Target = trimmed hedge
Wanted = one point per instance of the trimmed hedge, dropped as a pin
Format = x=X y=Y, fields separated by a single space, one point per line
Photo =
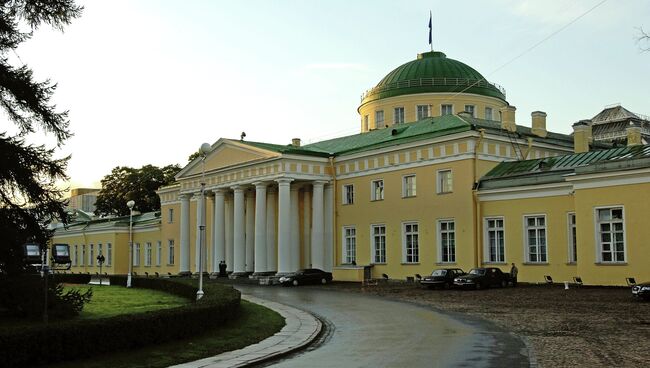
x=68 y=340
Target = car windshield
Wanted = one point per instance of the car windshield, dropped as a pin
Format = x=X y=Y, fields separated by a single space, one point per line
x=439 y=273
x=477 y=271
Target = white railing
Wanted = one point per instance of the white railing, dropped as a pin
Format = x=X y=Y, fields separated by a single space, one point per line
x=433 y=82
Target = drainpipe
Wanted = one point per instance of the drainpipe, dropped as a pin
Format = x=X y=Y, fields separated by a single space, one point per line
x=477 y=204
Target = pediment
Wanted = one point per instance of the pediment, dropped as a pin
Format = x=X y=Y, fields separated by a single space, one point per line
x=226 y=153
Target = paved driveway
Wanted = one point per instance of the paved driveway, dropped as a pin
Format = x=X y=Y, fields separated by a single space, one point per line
x=366 y=331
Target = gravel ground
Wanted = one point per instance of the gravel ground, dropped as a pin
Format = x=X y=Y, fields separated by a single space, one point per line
x=579 y=327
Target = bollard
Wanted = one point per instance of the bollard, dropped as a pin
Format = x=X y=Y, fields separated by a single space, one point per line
x=566 y=285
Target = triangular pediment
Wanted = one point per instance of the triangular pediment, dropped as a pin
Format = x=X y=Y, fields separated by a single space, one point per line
x=226 y=153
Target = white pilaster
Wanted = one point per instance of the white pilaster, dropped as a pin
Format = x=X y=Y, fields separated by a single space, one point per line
x=230 y=233
x=306 y=227
x=284 y=226
x=317 y=241
x=200 y=214
x=239 y=228
x=218 y=230
x=295 y=228
x=184 y=256
x=260 y=228
x=250 y=231
x=328 y=235
x=271 y=230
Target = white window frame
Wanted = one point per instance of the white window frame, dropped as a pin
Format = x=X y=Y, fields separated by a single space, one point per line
x=473 y=108
x=100 y=251
x=377 y=184
x=491 y=116
x=75 y=255
x=450 y=246
x=417 y=112
x=415 y=248
x=406 y=188
x=158 y=253
x=572 y=237
x=380 y=123
x=91 y=255
x=136 y=255
x=170 y=215
x=598 y=234
x=348 y=194
x=170 y=249
x=109 y=254
x=441 y=186
x=500 y=257
x=83 y=255
x=398 y=115
x=540 y=243
x=442 y=109
x=377 y=254
x=147 y=254
x=349 y=242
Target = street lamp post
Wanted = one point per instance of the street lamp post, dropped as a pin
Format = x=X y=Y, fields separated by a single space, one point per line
x=130 y=204
x=203 y=151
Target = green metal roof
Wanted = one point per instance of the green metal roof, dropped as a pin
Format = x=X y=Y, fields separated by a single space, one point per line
x=433 y=72
x=552 y=169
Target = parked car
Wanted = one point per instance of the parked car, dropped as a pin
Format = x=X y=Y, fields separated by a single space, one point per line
x=442 y=277
x=479 y=278
x=642 y=290
x=306 y=276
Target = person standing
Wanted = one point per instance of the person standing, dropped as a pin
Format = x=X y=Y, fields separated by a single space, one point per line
x=513 y=274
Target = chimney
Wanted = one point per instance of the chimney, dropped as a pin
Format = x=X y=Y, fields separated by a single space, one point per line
x=581 y=136
x=538 y=119
x=633 y=135
x=295 y=142
x=508 y=118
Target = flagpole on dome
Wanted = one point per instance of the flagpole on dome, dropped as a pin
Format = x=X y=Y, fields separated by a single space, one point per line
x=430 y=30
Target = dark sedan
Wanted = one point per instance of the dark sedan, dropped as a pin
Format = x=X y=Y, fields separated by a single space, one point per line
x=306 y=276
x=442 y=277
x=480 y=278
x=642 y=291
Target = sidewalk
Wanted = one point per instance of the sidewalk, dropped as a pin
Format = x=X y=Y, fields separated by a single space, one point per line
x=301 y=328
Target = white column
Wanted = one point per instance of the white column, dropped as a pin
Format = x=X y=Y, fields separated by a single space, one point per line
x=271 y=230
x=328 y=231
x=284 y=226
x=260 y=228
x=184 y=257
x=295 y=228
x=200 y=213
x=239 y=227
x=250 y=231
x=306 y=227
x=317 y=241
x=218 y=230
x=230 y=234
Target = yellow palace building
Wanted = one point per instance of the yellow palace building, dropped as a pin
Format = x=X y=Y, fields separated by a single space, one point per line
x=440 y=175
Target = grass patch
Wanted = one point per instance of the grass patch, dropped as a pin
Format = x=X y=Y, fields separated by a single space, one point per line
x=256 y=323
x=108 y=301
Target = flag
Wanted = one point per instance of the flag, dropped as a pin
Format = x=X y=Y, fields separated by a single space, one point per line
x=430 y=38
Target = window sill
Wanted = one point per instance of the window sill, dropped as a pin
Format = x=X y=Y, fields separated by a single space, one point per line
x=378 y=263
x=494 y=263
x=170 y=264
x=535 y=263
x=571 y=263
x=445 y=263
x=347 y=204
x=410 y=263
x=611 y=263
x=406 y=197
x=443 y=193
x=376 y=200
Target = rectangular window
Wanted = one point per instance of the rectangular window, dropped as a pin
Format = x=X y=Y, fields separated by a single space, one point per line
x=366 y=119
x=422 y=111
x=379 y=243
x=447 y=241
x=349 y=244
x=379 y=119
x=411 y=243
x=91 y=255
x=75 y=254
x=535 y=230
x=136 y=255
x=170 y=249
x=408 y=186
x=573 y=244
x=377 y=190
x=158 y=253
x=446 y=109
x=109 y=254
x=445 y=181
x=488 y=113
x=611 y=234
x=83 y=255
x=100 y=252
x=348 y=194
x=494 y=240
x=147 y=254
x=470 y=109
x=398 y=115
x=170 y=216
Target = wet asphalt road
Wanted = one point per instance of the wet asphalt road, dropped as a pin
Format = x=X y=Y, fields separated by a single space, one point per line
x=367 y=331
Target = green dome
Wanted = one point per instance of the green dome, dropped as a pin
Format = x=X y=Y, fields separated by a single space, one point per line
x=433 y=72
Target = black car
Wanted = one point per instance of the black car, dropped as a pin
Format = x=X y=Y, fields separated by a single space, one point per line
x=480 y=278
x=642 y=290
x=306 y=276
x=442 y=277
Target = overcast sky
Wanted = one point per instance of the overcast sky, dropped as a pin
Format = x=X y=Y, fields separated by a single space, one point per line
x=147 y=82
